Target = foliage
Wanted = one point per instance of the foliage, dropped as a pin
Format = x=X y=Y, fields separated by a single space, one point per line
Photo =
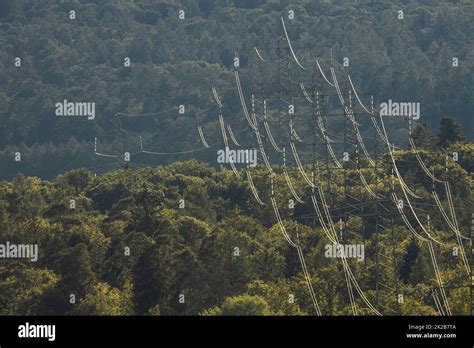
x=242 y=305
x=177 y=61
x=129 y=248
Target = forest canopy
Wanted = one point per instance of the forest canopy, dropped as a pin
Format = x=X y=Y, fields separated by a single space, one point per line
x=186 y=239
x=175 y=62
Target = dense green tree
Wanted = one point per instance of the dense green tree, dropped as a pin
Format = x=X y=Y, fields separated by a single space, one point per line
x=105 y=300
x=22 y=288
x=449 y=132
x=422 y=138
x=241 y=305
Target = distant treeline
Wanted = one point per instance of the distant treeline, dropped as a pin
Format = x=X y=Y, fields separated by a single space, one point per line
x=175 y=62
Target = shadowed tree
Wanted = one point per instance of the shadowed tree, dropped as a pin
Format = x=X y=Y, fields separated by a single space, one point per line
x=449 y=132
x=422 y=138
